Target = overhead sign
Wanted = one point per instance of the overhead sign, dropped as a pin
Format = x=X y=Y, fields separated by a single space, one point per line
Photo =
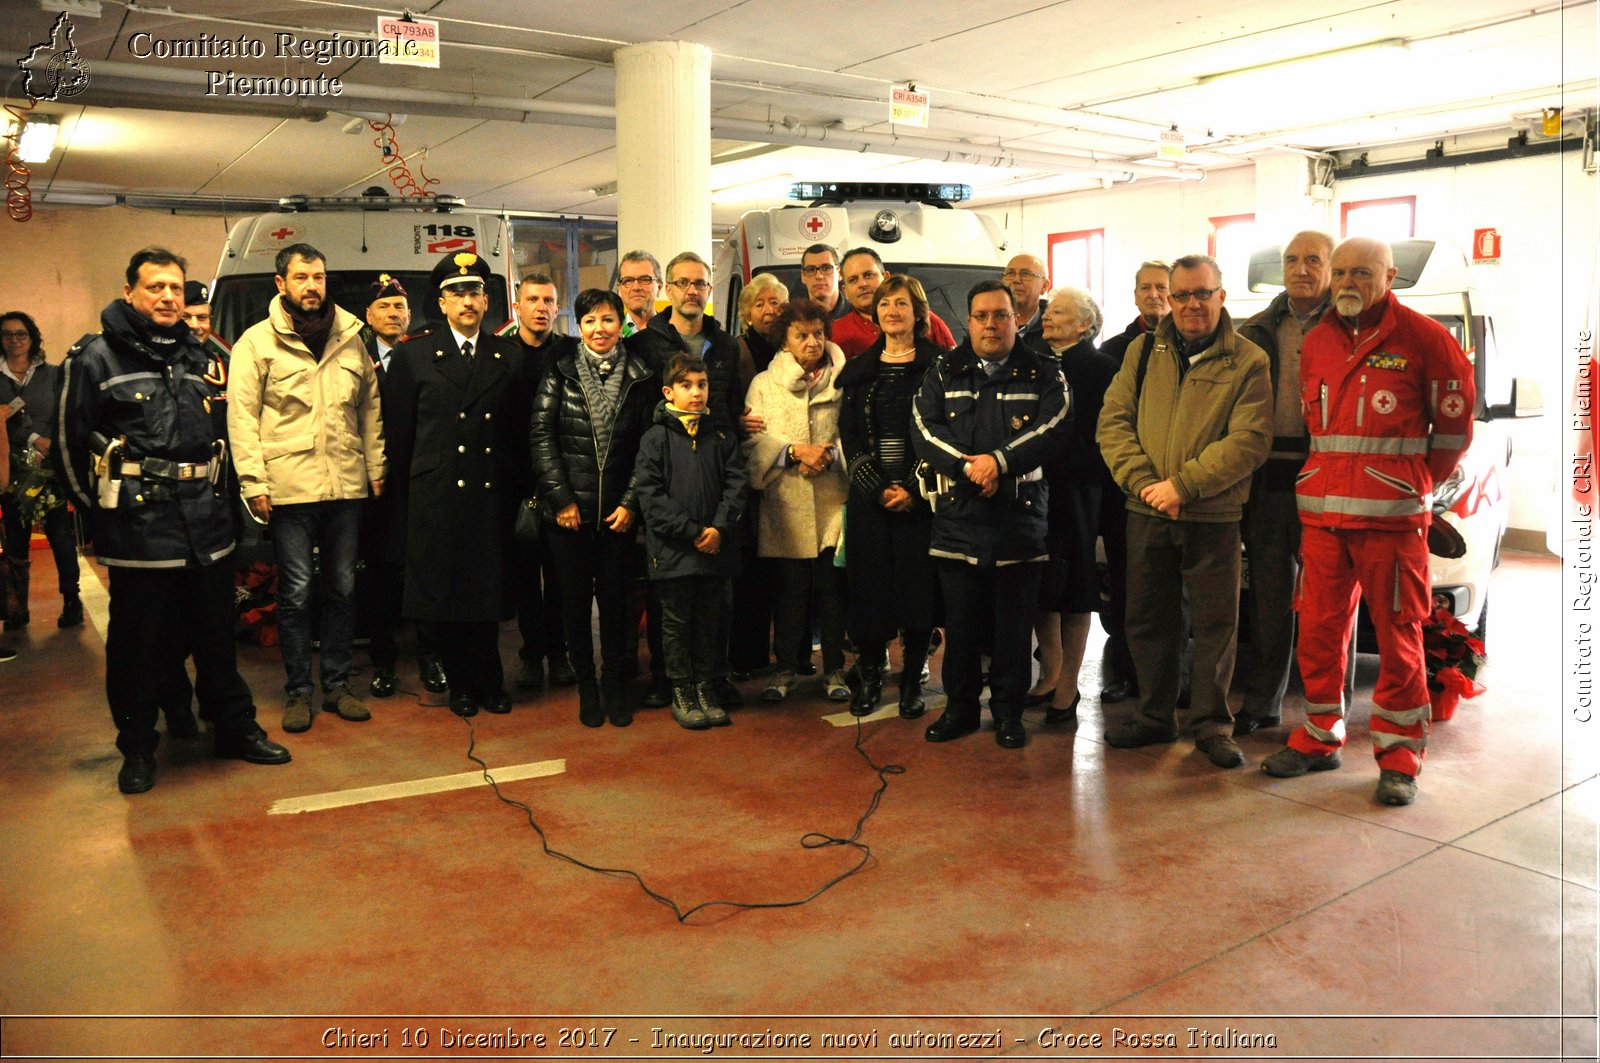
x=1485 y=245
x=1171 y=145
x=410 y=42
x=907 y=106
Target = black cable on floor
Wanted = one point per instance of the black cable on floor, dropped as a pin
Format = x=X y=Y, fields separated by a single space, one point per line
x=809 y=840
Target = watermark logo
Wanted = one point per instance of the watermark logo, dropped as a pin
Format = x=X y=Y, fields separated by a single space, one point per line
x=53 y=70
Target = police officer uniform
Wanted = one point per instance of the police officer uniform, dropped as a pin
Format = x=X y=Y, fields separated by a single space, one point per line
x=137 y=403
x=457 y=422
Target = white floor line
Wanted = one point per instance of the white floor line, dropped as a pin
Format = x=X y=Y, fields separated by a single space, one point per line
x=96 y=600
x=415 y=788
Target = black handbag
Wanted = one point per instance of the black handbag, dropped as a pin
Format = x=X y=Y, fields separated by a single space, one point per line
x=527 y=524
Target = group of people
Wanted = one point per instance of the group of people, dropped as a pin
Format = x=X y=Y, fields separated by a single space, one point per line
x=839 y=466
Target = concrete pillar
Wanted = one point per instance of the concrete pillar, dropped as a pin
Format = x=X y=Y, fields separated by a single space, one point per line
x=664 y=148
x=1287 y=199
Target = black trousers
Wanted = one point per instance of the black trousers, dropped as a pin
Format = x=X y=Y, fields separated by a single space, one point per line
x=799 y=586
x=597 y=567
x=691 y=620
x=470 y=653
x=538 y=597
x=1114 y=612
x=380 y=590
x=157 y=613
x=980 y=601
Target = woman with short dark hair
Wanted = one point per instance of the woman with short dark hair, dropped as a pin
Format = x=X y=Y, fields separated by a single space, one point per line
x=591 y=411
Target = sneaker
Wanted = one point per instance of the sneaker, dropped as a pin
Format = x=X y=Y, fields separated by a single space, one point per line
x=342 y=700
x=1221 y=750
x=836 y=686
x=686 y=709
x=778 y=687
x=1290 y=763
x=1396 y=788
x=297 y=712
x=1135 y=733
x=711 y=705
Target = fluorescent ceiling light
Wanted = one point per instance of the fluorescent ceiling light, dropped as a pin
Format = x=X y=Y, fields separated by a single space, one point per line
x=1303 y=62
x=38 y=140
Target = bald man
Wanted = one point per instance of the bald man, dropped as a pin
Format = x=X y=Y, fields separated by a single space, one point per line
x=1388 y=397
x=1027 y=278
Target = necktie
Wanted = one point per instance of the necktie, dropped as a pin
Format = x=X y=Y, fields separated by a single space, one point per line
x=992 y=369
x=466 y=349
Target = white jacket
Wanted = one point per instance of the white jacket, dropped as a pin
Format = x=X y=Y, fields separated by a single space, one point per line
x=800 y=518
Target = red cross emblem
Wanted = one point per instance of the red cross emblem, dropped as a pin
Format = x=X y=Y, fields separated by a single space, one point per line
x=815 y=224
x=282 y=234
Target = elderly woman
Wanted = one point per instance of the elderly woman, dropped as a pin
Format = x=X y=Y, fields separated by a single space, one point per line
x=1071 y=588
x=591 y=411
x=893 y=585
x=25 y=375
x=794 y=459
x=750 y=643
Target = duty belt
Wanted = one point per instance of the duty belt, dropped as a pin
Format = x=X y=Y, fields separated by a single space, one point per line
x=185 y=470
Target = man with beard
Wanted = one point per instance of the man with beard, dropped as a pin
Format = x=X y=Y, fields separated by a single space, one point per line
x=306 y=427
x=142 y=457
x=1388 y=397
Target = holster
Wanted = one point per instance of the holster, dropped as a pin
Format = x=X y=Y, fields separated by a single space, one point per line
x=107 y=460
x=158 y=479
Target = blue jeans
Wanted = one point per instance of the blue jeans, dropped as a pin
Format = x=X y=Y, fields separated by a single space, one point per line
x=333 y=528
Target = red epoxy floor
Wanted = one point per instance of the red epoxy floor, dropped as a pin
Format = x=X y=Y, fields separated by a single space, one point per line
x=1065 y=888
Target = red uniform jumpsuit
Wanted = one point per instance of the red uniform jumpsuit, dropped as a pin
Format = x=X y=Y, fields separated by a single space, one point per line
x=1389 y=405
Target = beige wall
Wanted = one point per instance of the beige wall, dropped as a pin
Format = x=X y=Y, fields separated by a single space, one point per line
x=66 y=265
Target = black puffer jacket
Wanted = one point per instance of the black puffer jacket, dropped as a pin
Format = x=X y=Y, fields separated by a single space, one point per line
x=565 y=461
x=658 y=341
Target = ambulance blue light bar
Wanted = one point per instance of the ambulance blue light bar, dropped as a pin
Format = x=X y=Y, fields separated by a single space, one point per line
x=893 y=191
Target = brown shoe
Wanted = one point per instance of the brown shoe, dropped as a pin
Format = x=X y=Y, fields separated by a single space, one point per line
x=342 y=700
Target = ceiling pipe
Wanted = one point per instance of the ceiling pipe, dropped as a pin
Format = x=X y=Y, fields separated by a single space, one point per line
x=113 y=80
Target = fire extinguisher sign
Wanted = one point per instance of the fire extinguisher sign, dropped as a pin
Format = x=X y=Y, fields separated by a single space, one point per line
x=1485 y=246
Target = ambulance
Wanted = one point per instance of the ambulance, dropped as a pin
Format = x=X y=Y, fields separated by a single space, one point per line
x=1432 y=278
x=915 y=228
x=361 y=236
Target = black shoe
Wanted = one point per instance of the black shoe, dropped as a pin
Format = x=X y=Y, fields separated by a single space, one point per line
x=383 y=683
x=138 y=773
x=1117 y=690
x=864 y=701
x=949 y=727
x=530 y=675
x=1033 y=701
x=1249 y=723
x=1054 y=717
x=659 y=695
x=615 y=702
x=433 y=678
x=741 y=675
x=254 y=747
x=71 y=612
x=590 y=714
x=180 y=723
x=500 y=704
x=727 y=694
x=1221 y=750
x=1009 y=733
x=561 y=673
x=911 y=704
x=1132 y=734
x=806 y=669
x=463 y=706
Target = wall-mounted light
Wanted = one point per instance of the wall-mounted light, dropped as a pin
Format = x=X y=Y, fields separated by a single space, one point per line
x=38 y=139
x=1301 y=64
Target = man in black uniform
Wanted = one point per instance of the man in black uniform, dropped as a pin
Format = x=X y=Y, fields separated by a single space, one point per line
x=457 y=406
x=985 y=417
x=380 y=586
x=143 y=458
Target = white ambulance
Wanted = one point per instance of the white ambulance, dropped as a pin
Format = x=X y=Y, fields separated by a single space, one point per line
x=1432 y=277
x=361 y=236
x=915 y=228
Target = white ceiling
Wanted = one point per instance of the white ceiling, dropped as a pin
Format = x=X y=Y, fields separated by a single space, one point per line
x=1028 y=96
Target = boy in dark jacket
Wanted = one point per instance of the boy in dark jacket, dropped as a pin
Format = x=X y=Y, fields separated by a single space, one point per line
x=690 y=483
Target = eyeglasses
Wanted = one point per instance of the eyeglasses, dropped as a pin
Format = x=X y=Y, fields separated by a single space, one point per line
x=816 y=271
x=1202 y=294
x=999 y=317
x=636 y=282
x=690 y=286
x=1020 y=275
x=9 y=334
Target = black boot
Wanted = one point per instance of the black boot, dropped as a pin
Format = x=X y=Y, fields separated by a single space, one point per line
x=916 y=656
x=590 y=714
x=71 y=612
x=617 y=709
x=865 y=701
